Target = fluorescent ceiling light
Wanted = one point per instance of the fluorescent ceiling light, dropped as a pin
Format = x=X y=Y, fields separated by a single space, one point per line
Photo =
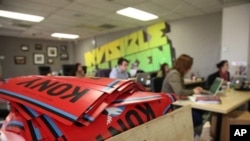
x=20 y=16
x=137 y=14
x=64 y=35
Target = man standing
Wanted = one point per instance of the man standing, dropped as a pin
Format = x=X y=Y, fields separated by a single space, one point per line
x=120 y=72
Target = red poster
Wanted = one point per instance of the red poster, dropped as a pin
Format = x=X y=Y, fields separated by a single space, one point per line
x=75 y=109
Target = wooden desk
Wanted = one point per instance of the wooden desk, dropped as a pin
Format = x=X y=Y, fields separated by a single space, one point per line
x=229 y=102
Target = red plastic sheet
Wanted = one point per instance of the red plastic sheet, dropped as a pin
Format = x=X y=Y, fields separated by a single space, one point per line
x=48 y=108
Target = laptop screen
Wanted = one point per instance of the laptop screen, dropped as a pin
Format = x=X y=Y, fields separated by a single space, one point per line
x=143 y=78
x=216 y=85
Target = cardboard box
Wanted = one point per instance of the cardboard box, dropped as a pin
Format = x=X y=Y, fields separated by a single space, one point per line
x=233 y=118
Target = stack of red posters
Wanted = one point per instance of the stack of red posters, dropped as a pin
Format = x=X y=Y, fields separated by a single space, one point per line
x=45 y=108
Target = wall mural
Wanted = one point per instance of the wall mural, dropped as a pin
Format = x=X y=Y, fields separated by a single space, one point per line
x=149 y=47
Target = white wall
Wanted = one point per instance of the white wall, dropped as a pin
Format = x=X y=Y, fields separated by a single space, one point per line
x=200 y=37
x=235 y=33
x=248 y=68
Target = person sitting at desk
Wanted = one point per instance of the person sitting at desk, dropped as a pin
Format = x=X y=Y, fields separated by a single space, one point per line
x=120 y=72
x=77 y=70
x=163 y=70
x=223 y=73
x=174 y=83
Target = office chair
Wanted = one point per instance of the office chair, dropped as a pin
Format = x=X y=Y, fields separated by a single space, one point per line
x=103 y=73
x=156 y=84
x=67 y=69
x=84 y=68
x=44 y=70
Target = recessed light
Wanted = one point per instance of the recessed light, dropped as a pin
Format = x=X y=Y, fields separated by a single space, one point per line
x=20 y=16
x=65 y=35
x=137 y=14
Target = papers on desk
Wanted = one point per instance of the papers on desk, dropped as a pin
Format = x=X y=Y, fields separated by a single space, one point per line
x=205 y=99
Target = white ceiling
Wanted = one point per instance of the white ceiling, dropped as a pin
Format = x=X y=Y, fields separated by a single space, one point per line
x=83 y=17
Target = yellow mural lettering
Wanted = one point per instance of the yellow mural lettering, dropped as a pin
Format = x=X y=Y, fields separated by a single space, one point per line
x=89 y=58
x=156 y=35
x=100 y=54
x=113 y=50
x=148 y=47
x=132 y=46
x=142 y=40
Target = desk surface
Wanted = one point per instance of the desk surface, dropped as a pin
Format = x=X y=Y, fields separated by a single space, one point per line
x=229 y=102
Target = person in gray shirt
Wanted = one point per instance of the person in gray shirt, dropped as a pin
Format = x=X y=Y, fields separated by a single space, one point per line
x=174 y=83
x=174 y=80
x=120 y=72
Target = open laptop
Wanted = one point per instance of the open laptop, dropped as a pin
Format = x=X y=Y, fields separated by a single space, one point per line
x=143 y=79
x=215 y=87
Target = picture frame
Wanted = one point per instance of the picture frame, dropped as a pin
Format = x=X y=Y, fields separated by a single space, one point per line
x=64 y=56
x=24 y=47
x=39 y=58
x=63 y=48
x=50 y=61
x=20 y=60
x=52 y=51
x=38 y=47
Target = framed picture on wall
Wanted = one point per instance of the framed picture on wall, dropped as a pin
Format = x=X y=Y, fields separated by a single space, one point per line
x=63 y=48
x=38 y=47
x=20 y=60
x=24 y=48
x=52 y=51
x=50 y=61
x=64 y=56
x=39 y=58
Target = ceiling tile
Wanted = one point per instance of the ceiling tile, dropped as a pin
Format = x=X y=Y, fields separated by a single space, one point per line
x=169 y=4
x=55 y=27
x=124 y=19
x=26 y=11
x=130 y=3
x=75 y=16
x=212 y=9
x=172 y=16
x=29 y=5
x=152 y=8
x=87 y=9
x=191 y=13
x=204 y=3
x=55 y=3
x=102 y=4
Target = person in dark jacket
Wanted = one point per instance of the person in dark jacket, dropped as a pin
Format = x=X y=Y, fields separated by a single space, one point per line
x=222 y=72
